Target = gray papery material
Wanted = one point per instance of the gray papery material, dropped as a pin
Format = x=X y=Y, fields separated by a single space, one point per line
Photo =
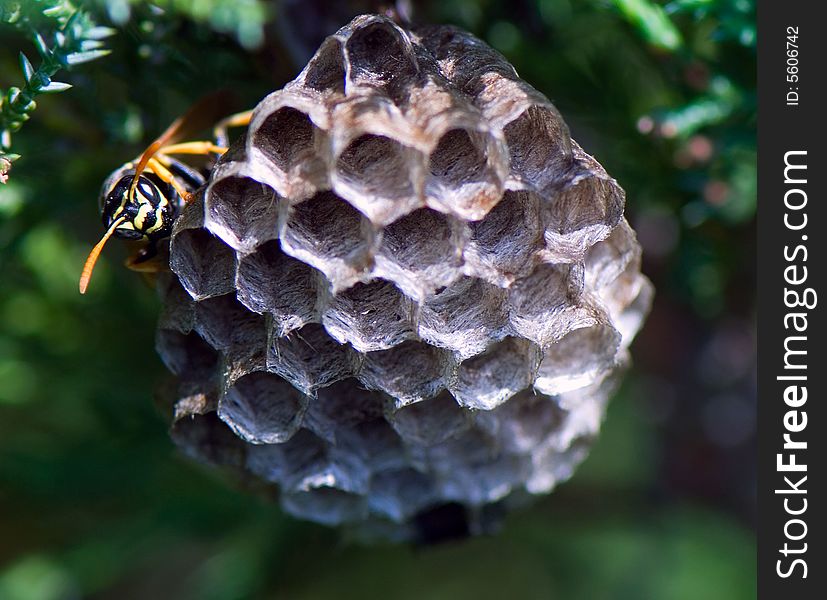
x=407 y=285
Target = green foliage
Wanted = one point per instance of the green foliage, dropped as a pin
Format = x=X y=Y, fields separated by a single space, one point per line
x=245 y=19
x=652 y=22
x=76 y=39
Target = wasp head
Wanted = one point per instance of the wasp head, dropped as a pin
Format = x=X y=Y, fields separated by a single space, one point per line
x=139 y=208
x=146 y=210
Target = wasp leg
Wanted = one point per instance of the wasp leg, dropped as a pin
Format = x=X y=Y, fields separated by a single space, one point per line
x=142 y=255
x=241 y=119
x=148 y=266
x=149 y=259
x=193 y=148
x=155 y=166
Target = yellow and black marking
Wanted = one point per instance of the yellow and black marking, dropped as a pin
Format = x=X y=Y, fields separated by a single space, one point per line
x=141 y=200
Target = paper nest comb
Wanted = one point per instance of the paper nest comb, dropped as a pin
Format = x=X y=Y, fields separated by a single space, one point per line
x=407 y=287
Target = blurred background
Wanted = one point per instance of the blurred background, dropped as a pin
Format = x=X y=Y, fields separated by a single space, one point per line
x=95 y=502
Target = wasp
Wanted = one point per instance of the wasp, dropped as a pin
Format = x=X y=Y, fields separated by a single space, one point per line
x=141 y=199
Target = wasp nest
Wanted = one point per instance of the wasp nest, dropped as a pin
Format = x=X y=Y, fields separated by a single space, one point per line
x=406 y=288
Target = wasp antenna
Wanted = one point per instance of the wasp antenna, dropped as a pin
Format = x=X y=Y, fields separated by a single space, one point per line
x=89 y=265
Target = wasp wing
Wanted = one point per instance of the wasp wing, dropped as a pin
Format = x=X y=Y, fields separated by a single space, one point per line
x=201 y=116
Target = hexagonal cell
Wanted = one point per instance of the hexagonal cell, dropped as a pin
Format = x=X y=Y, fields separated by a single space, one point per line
x=241 y=211
x=376 y=444
x=607 y=259
x=419 y=253
x=271 y=281
x=628 y=315
x=342 y=405
x=224 y=322
x=262 y=408
x=580 y=214
x=623 y=290
x=370 y=316
x=204 y=264
x=286 y=137
x=465 y=317
x=309 y=358
x=486 y=481
x=409 y=372
x=242 y=359
x=310 y=463
x=378 y=53
x=430 y=421
x=400 y=494
x=462 y=177
x=543 y=307
x=307 y=462
x=186 y=355
x=325 y=73
x=540 y=146
x=462 y=58
x=577 y=359
x=431 y=104
x=208 y=439
x=267 y=461
x=374 y=173
x=287 y=145
x=523 y=422
x=465 y=465
x=504 y=245
x=487 y=380
x=469 y=445
x=329 y=234
x=325 y=505
x=177 y=308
